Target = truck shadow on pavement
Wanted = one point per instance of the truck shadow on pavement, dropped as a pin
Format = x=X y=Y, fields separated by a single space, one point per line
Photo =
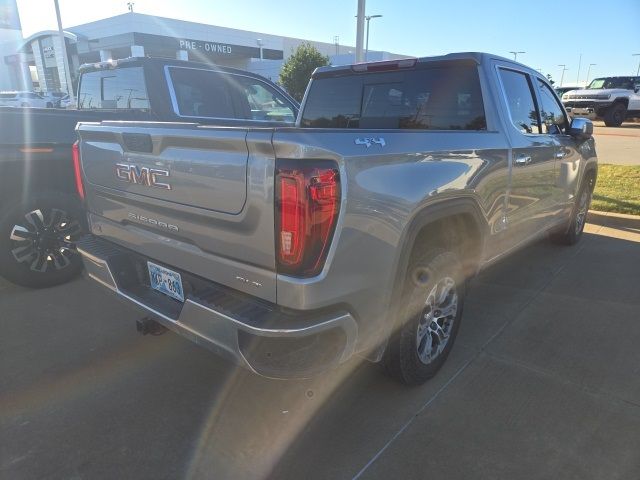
x=543 y=379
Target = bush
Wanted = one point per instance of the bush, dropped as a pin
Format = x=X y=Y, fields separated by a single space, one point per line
x=296 y=71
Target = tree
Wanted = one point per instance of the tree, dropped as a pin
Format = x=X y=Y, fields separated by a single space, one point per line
x=551 y=82
x=296 y=71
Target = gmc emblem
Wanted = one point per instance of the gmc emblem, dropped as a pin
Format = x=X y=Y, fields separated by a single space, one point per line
x=142 y=175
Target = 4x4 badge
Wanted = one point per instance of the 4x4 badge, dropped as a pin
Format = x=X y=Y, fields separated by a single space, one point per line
x=368 y=141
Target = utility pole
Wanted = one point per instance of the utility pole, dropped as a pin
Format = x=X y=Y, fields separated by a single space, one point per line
x=637 y=55
x=515 y=55
x=67 y=72
x=368 y=19
x=589 y=71
x=360 y=31
x=564 y=69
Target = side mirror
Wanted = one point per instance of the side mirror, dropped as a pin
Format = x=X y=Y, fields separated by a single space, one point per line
x=581 y=128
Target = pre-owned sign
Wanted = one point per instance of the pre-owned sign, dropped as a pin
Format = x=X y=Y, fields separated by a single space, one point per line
x=159 y=45
x=206 y=46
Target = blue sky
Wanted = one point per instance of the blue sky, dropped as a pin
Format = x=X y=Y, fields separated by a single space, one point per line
x=606 y=33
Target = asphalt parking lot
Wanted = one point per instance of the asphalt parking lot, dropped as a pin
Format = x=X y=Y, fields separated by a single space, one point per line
x=618 y=145
x=544 y=382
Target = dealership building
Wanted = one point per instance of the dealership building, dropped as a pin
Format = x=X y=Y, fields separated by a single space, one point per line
x=39 y=60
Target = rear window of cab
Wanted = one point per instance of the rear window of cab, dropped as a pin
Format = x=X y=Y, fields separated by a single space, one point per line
x=436 y=98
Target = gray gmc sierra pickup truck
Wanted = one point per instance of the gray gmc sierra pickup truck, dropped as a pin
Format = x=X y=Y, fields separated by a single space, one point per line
x=291 y=249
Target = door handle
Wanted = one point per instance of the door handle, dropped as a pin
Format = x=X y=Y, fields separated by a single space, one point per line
x=522 y=160
x=560 y=155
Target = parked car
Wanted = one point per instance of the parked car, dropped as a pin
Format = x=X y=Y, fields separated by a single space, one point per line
x=615 y=99
x=66 y=102
x=53 y=98
x=22 y=99
x=40 y=218
x=289 y=250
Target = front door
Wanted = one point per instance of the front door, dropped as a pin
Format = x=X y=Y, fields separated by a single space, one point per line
x=531 y=199
x=555 y=124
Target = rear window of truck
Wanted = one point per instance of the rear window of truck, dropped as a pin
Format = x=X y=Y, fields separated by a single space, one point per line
x=436 y=98
x=117 y=89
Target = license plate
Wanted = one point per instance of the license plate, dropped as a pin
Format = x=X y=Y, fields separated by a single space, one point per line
x=166 y=281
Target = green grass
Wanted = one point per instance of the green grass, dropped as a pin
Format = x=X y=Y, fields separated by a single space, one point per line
x=617 y=189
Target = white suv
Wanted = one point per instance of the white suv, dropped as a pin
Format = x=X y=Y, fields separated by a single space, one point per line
x=614 y=99
x=22 y=99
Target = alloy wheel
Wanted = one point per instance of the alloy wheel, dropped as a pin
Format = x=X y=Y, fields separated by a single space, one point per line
x=45 y=240
x=581 y=214
x=436 y=320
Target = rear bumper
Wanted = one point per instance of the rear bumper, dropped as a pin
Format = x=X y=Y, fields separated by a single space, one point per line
x=268 y=340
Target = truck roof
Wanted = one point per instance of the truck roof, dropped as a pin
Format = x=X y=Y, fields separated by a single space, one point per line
x=129 y=61
x=464 y=57
x=628 y=77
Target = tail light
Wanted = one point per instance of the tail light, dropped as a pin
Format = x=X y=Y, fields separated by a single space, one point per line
x=307 y=205
x=75 y=154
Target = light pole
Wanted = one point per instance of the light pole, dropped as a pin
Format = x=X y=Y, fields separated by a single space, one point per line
x=578 y=75
x=368 y=19
x=637 y=55
x=564 y=69
x=515 y=55
x=360 y=31
x=589 y=71
x=63 y=44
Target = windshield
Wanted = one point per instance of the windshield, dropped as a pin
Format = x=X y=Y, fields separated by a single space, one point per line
x=626 y=83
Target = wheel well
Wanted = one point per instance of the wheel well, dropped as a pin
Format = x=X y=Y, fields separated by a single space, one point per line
x=590 y=177
x=459 y=233
x=623 y=101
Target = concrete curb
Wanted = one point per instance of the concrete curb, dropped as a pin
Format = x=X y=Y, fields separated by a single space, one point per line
x=614 y=220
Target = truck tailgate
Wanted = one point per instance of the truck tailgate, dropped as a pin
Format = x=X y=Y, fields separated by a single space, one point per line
x=193 y=197
x=195 y=167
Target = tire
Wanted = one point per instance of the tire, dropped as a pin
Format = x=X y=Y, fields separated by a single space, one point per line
x=615 y=115
x=37 y=240
x=578 y=216
x=424 y=335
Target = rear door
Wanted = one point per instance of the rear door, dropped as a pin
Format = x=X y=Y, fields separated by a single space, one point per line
x=531 y=198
